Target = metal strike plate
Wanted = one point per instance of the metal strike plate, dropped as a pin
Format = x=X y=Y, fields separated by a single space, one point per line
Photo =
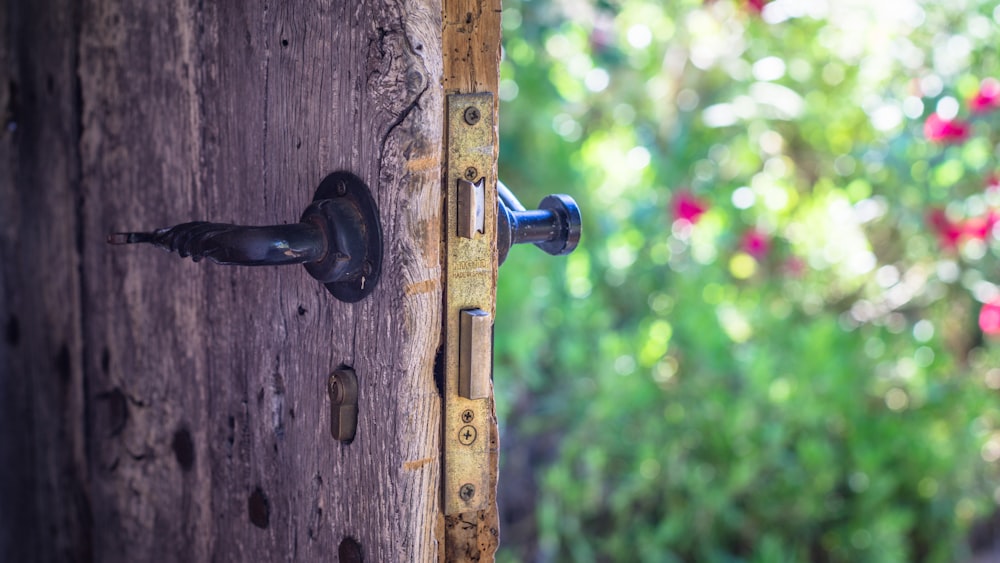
x=470 y=285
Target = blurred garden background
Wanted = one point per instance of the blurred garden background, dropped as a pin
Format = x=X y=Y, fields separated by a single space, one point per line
x=779 y=339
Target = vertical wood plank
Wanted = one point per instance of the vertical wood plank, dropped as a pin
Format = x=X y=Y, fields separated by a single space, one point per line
x=193 y=424
x=44 y=506
x=471 y=54
x=209 y=408
x=150 y=341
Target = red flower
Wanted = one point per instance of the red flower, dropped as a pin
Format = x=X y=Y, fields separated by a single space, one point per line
x=756 y=6
x=688 y=207
x=940 y=130
x=756 y=243
x=987 y=98
x=993 y=183
x=949 y=232
x=989 y=317
x=980 y=227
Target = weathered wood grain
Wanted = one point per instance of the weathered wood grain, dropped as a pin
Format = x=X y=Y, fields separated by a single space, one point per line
x=209 y=411
x=164 y=410
x=44 y=508
x=471 y=55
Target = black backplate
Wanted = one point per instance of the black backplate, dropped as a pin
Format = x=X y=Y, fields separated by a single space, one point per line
x=346 y=188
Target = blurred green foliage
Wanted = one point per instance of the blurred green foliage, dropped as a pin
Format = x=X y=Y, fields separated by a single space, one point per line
x=686 y=395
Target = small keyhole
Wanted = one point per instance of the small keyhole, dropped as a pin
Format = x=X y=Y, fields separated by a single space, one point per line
x=336 y=391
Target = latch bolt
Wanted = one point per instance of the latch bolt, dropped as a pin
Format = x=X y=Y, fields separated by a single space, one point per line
x=475 y=359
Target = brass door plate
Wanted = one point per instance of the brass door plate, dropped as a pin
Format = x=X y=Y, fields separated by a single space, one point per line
x=470 y=293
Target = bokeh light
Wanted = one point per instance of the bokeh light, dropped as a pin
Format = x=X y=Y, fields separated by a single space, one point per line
x=778 y=339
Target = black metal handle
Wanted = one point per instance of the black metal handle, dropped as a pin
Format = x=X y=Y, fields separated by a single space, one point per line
x=235 y=244
x=338 y=239
x=554 y=227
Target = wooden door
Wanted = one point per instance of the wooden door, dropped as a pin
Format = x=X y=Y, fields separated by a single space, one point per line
x=155 y=409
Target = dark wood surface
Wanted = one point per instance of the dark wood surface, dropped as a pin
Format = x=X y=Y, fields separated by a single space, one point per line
x=45 y=506
x=158 y=409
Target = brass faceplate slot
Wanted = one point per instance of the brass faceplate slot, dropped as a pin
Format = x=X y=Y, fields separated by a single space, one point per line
x=471 y=207
x=475 y=361
x=470 y=294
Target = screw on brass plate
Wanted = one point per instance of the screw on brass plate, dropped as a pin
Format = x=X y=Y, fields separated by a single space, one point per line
x=471 y=173
x=467 y=492
x=472 y=115
x=467 y=435
x=343 y=389
x=468 y=416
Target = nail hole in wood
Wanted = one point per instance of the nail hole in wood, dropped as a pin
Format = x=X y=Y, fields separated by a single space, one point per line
x=63 y=368
x=12 y=332
x=259 y=509
x=231 y=435
x=349 y=551
x=183 y=447
x=117 y=413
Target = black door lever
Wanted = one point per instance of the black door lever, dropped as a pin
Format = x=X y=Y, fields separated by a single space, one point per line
x=554 y=227
x=338 y=239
